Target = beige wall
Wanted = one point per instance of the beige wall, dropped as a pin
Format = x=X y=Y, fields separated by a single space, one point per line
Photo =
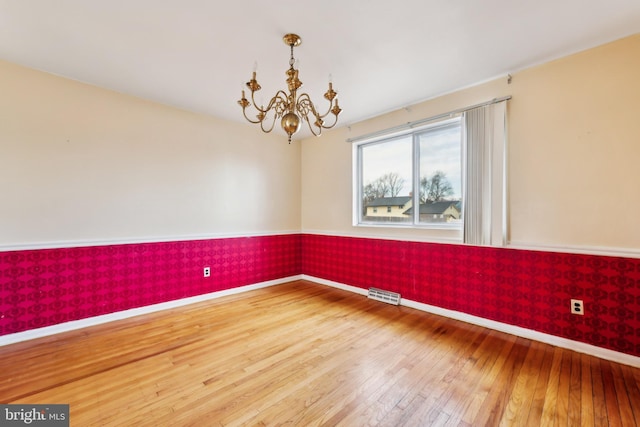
x=79 y=163
x=574 y=148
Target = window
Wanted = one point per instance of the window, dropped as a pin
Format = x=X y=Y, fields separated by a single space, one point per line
x=423 y=168
x=385 y=183
x=452 y=168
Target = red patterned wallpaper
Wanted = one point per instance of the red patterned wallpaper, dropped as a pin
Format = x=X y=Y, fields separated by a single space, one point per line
x=531 y=289
x=50 y=286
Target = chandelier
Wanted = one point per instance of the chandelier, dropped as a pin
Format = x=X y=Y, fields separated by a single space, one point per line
x=290 y=108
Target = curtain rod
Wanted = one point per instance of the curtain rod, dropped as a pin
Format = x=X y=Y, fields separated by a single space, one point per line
x=415 y=123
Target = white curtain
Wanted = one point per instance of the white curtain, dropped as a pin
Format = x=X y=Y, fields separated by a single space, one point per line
x=484 y=196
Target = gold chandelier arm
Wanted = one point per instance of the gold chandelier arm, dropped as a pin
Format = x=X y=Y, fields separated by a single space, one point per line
x=280 y=95
x=305 y=106
x=244 y=113
x=311 y=126
x=278 y=103
x=319 y=128
x=273 y=123
x=305 y=100
x=335 y=121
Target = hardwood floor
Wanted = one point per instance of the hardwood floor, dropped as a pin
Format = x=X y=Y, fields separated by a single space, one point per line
x=303 y=354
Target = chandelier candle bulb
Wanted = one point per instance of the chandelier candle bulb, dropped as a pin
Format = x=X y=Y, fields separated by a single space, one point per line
x=291 y=108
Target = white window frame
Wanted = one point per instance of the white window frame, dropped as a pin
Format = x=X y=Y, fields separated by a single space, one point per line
x=493 y=212
x=358 y=184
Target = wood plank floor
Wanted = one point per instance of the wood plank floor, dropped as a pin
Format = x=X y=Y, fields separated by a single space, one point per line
x=303 y=354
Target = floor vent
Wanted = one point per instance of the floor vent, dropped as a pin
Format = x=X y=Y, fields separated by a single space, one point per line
x=384 y=296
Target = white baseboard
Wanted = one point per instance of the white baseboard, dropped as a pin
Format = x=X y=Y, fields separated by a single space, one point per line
x=603 y=353
x=333 y=284
x=125 y=314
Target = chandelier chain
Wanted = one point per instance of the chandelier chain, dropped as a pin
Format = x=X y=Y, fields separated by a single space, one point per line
x=292 y=60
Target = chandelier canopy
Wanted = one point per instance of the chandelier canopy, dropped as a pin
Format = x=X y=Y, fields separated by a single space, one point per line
x=290 y=108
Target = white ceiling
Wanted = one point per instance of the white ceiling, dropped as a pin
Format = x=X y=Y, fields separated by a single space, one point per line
x=383 y=55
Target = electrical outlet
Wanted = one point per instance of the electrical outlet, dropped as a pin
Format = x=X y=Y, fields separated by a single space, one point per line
x=577 y=307
x=207 y=271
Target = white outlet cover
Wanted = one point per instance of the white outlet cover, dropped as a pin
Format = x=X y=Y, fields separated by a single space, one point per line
x=577 y=307
x=207 y=271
